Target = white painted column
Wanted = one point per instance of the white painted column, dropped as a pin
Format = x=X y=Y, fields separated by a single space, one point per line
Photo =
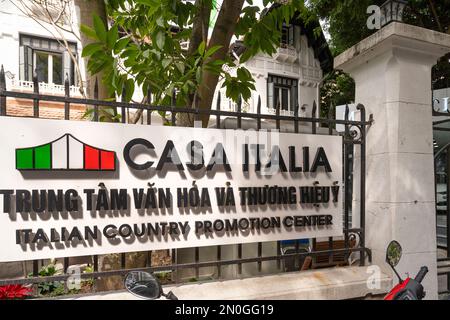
x=392 y=70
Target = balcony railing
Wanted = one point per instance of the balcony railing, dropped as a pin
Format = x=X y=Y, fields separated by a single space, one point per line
x=282 y=112
x=44 y=88
x=286 y=53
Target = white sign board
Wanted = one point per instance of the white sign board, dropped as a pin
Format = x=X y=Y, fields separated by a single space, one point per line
x=81 y=188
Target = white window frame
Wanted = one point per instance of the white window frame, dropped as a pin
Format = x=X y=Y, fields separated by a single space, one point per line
x=280 y=97
x=49 y=64
x=278 y=83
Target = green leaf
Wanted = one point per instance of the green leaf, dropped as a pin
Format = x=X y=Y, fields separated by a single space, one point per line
x=129 y=90
x=100 y=29
x=180 y=66
x=198 y=75
x=96 y=66
x=112 y=36
x=166 y=62
x=246 y=56
x=109 y=111
x=160 y=39
x=212 y=50
x=147 y=2
x=91 y=48
x=121 y=44
x=160 y=21
x=201 y=48
x=88 y=31
x=219 y=62
x=243 y=74
x=89 y=113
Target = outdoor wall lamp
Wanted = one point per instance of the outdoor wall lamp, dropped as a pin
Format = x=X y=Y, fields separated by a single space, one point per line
x=392 y=10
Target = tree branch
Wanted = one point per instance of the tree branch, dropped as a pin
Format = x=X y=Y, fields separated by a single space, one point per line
x=435 y=15
x=199 y=31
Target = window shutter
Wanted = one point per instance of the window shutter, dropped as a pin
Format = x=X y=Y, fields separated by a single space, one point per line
x=270 y=95
x=25 y=63
x=75 y=75
x=67 y=67
x=291 y=35
x=22 y=63
x=29 y=63
x=294 y=97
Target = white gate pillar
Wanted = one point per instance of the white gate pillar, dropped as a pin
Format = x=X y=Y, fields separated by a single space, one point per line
x=392 y=71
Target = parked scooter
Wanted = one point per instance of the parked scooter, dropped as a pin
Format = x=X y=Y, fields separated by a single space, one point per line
x=145 y=286
x=408 y=289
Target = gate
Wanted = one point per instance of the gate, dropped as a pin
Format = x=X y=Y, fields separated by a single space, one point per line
x=442 y=188
x=331 y=252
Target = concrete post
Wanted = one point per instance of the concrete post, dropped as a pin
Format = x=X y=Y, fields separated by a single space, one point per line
x=392 y=70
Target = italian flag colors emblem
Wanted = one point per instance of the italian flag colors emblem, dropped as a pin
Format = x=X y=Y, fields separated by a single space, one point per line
x=65 y=153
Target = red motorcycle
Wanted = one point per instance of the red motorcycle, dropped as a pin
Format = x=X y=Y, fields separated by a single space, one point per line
x=408 y=289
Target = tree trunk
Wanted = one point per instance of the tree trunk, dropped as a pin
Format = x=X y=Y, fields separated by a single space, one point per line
x=435 y=15
x=200 y=30
x=86 y=10
x=222 y=34
x=200 y=25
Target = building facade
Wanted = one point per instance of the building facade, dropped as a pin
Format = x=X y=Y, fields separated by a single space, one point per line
x=292 y=76
x=32 y=47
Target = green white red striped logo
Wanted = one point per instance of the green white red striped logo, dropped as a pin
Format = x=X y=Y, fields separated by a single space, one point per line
x=65 y=153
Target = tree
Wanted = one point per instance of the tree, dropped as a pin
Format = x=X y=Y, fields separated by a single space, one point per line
x=338 y=89
x=163 y=46
x=434 y=15
x=346 y=22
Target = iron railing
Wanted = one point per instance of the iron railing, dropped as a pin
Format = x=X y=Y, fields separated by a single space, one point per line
x=355 y=135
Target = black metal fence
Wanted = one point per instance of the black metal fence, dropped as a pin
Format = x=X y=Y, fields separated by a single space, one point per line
x=324 y=253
